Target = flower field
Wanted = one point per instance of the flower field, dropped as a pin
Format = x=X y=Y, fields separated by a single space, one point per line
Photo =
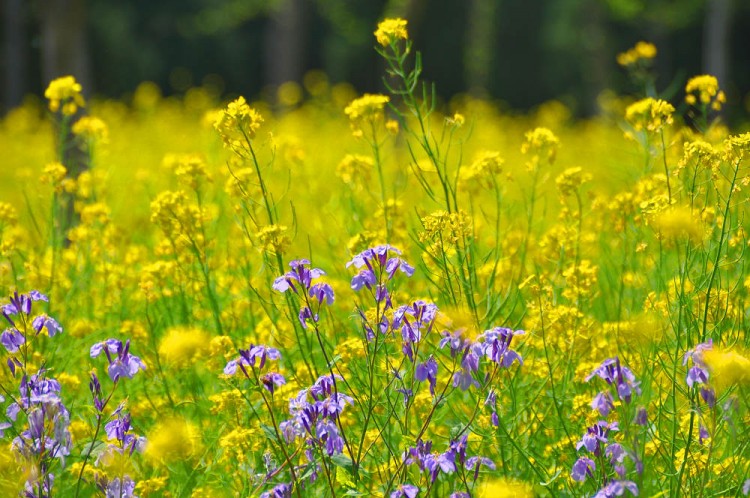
x=333 y=294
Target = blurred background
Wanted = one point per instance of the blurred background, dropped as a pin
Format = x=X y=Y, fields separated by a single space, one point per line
x=519 y=53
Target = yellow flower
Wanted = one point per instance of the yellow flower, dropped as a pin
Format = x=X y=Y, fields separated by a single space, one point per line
x=91 y=128
x=726 y=368
x=391 y=30
x=704 y=89
x=643 y=51
x=355 y=169
x=173 y=439
x=64 y=91
x=274 y=238
x=150 y=486
x=504 y=488
x=570 y=179
x=366 y=109
x=238 y=123
x=541 y=144
x=649 y=114
x=677 y=222
x=182 y=345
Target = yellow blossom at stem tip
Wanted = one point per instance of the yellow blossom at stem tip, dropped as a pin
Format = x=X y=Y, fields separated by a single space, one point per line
x=391 y=30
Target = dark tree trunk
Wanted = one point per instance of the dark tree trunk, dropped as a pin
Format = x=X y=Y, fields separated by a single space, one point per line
x=716 y=29
x=285 y=36
x=63 y=41
x=14 y=51
x=479 y=46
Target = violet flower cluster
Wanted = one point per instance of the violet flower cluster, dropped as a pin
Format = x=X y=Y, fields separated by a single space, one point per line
x=121 y=362
x=698 y=374
x=299 y=280
x=46 y=438
x=257 y=354
x=315 y=412
x=18 y=315
x=451 y=460
x=598 y=441
x=122 y=442
x=376 y=268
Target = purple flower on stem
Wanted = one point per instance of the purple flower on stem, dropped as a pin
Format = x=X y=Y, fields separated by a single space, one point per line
x=428 y=371
x=617 y=488
x=299 y=273
x=746 y=488
x=583 y=468
x=272 y=380
x=282 y=490
x=596 y=435
x=496 y=344
x=376 y=262
x=405 y=491
x=121 y=362
x=603 y=403
x=613 y=373
x=12 y=339
x=322 y=292
x=43 y=321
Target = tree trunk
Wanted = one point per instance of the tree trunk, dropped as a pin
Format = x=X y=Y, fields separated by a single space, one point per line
x=285 y=42
x=480 y=44
x=63 y=41
x=15 y=55
x=716 y=39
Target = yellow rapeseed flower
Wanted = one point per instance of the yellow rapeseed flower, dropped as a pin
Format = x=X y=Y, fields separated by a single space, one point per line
x=65 y=92
x=726 y=368
x=391 y=30
x=368 y=108
x=649 y=114
x=172 y=440
x=643 y=51
x=274 y=239
x=147 y=487
x=704 y=89
x=677 y=222
x=355 y=170
x=504 y=488
x=540 y=144
x=91 y=128
x=238 y=123
x=181 y=346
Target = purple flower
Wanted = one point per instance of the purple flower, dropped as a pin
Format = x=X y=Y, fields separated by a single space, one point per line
x=428 y=371
x=596 y=435
x=322 y=292
x=454 y=341
x=328 y=434
x=376 y=262
x=746 y=488
x=613 y=373
x=617 y=488
x=120 y=489
x=121 y=362
x=478 y=461
x=299 y=273
x=463 y=379
x=641 y=417
x=583 y=468
x=496 y=346
x=43 y=321
x=696 y=375
x=272 y=380
x=12 y=339
x=282 y=490
x=603 y=403
x=405 y=491
x=248 y=358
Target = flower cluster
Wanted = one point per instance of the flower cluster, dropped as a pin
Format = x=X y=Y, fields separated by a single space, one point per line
x=315 y=412
x=257 y=354
x=121 y=362
x=649 y=114
x=433 y=463
x=704 y=90
x=640 y=53
x=64 y=92
x=238 y=123
x=598 y=440
x=391 y=30
x=308 y=292
x=18 y=315
x=376 y=268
